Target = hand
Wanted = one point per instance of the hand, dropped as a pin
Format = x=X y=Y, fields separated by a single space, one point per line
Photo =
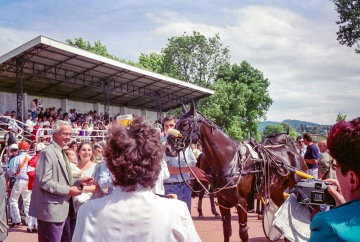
x=74 y=191
x=199 y=173
x=336 y=194
x=172 y=196
x=87 y=181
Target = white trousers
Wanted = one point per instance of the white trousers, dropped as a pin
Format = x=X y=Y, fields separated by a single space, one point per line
x=20 y=188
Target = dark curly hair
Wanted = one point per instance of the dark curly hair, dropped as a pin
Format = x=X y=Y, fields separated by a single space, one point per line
x=344 y=145
x=133 y=154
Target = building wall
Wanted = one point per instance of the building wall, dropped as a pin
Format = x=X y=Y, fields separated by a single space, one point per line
x=8 y=103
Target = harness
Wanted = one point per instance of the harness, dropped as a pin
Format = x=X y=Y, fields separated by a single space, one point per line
x=250 y=158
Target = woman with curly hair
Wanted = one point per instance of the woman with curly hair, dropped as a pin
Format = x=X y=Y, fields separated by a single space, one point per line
x=132 y=212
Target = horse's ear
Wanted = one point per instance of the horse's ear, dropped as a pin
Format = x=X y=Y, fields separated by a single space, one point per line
x=192 y=108
x=183 y=108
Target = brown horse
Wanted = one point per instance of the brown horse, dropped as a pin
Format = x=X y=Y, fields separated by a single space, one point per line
x=203 y=164
x=235 y=167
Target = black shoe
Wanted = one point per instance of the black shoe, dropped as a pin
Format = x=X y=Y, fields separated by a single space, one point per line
x=14 y=225
x=34 y=230
x=29 y=230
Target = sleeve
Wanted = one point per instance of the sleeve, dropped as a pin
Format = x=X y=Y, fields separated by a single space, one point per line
x=44 y=170
x=105 y=180
x=14 y=166
x=321 y=229
x=190 y=157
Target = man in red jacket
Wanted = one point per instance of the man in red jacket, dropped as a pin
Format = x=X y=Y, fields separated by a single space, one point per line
x=32 y=225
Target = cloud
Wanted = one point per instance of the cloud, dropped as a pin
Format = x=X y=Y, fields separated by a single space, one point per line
x=293 y=43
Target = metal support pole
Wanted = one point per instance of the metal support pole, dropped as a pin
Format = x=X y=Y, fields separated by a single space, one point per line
x=158 y=102
x=19 y=91
x=107 y=92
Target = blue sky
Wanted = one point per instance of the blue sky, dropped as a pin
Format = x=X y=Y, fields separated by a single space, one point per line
x=293 y=43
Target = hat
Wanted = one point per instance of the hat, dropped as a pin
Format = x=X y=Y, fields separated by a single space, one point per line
x=23 y=145
x=46 y=123
x=9 y=127
x=14 y=147
x=40 y=146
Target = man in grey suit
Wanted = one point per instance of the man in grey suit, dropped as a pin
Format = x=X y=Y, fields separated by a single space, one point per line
x=51 y=198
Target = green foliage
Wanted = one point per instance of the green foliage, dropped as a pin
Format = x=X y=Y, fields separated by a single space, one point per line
x=349 y=23
x=193 y=58
x=241 y=99
x=340 y=117
x=97 y=48
x=280 y=128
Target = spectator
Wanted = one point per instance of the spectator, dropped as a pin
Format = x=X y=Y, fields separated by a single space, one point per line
x=87 y=165
x=300 y=145
x=33 y=108
x=19 y=170
x=325 y=162
x=175 y=183
x=311 y=155
x=133 y=156
x=32 y=225
x=342 y=223
x=10 y=137
x=54 y=189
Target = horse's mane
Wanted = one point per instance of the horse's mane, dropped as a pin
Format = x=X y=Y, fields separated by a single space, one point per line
x=208 y=120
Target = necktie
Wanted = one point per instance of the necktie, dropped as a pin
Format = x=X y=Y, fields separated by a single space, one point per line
x=67 y=167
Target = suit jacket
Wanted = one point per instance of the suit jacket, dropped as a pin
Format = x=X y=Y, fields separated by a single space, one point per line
x=50 y=197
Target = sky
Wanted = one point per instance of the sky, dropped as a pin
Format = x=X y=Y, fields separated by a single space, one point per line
x=294 y=43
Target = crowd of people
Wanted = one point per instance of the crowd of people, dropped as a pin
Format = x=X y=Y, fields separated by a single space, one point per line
x=67 y=188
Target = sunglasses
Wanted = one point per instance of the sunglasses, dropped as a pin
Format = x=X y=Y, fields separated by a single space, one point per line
x=301 y=142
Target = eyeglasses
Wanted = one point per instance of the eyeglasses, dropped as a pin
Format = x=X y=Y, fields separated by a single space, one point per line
x=65 y=134
x=300 y=141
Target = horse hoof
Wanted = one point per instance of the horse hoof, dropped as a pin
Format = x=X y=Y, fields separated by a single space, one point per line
x=260 y=217
x=201 y=216
x=216 y=214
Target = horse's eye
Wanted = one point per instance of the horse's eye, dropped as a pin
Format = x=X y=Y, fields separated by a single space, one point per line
x=185 y=126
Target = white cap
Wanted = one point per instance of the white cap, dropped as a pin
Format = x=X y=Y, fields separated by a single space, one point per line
x=14 y=147
x=40 y=146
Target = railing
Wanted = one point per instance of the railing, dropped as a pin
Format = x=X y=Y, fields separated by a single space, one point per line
x=77 y=134
x=43 y=134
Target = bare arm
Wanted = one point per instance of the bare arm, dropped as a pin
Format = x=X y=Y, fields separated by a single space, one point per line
x=311 y=161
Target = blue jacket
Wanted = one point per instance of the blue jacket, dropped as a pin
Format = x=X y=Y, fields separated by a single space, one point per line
x=339 y=224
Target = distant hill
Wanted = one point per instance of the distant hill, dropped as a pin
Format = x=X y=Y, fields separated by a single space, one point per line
x=293 y=123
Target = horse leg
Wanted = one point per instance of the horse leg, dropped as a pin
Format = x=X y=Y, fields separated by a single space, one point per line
x=242 y=218
x=259 y=208
x=212 y=203
x=226 y=218
x=199 y=208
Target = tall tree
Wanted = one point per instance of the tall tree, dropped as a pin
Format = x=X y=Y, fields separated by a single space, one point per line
x=96 y=48
x=240 y=101
x=194 y=59
x=349 y=23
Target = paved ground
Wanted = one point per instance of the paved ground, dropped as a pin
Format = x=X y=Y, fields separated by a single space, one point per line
x=209 y=229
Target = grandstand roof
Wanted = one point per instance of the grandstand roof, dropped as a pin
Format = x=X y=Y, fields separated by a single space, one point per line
x=50 y=68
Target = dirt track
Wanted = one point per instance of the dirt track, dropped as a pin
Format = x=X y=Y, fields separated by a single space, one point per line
x=209 y=229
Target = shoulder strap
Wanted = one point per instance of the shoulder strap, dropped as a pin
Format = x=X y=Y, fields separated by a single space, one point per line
x=26 y=159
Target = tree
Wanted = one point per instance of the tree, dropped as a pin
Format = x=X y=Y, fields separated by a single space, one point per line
x=340 y=117
x=240 y=101
x=349 y=23
x=97 y=48
x=194 y=59
x=280 y=128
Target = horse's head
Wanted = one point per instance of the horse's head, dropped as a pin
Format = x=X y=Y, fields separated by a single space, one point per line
x=189 y=127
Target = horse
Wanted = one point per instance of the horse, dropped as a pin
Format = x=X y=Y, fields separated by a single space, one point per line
x=204 y=165
x=234 y=167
